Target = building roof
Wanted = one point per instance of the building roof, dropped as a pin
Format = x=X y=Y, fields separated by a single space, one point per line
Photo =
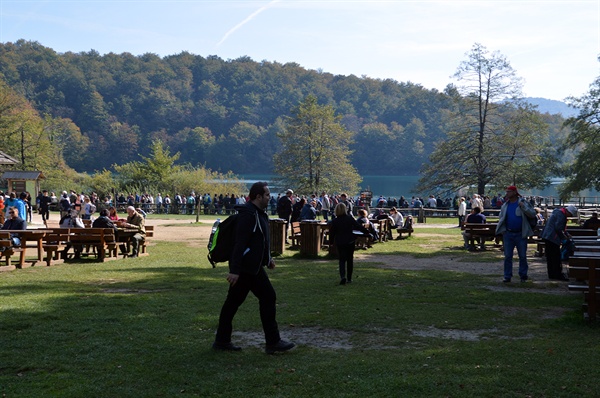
x=22 y=175
x=5 y=159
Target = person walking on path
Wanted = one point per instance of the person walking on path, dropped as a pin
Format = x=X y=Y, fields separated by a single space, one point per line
x=515 y=230
x=341 y=232
x=251 y=253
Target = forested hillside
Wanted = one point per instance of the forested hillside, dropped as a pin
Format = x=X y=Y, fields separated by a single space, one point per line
x=224 y=114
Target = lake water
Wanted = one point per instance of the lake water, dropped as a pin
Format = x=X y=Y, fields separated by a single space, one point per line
x=396 y=186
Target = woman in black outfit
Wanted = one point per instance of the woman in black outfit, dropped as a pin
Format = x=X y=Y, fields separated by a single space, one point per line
x=341 y=233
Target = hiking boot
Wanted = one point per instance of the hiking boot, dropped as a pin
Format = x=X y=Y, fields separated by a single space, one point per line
x=280 y=346
x=506 y=280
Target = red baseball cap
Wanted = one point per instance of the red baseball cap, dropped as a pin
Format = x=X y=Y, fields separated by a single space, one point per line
x=513 y=188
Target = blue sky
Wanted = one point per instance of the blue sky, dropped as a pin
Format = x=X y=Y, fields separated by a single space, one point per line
x=553 y=45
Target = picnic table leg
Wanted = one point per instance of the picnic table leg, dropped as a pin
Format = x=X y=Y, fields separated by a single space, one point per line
x=592 y=292
x=22 y=258
x=100 y=251
x=40 y=248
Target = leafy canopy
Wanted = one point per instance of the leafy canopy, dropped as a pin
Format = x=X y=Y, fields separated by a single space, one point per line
x=315 y=154
x=493 y=138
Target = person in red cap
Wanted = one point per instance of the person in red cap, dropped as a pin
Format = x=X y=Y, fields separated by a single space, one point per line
x=515 y=230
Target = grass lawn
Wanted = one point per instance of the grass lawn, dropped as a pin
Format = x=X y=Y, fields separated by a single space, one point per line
x=144 y=327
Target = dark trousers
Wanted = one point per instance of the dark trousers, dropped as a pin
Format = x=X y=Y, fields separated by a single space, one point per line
x=553 y=260
x=346 y=256
x=261 y=287
x=135 y=242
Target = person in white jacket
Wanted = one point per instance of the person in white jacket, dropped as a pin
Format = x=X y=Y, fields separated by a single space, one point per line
x=462 y=211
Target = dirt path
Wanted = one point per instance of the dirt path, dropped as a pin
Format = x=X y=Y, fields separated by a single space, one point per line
x=193 y=235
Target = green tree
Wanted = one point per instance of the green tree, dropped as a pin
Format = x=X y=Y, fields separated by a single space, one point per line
x=583 y=171
x=315 y=154
x=492 y=138
x=152 y=173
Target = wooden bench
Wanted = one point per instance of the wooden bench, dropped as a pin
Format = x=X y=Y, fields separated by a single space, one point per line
x=6 y=245
x=407 y=228
x=577 y=231
x=586 y=272
x=579 y=235
x=384 y=228
x=483 y=232
x=101 y=239
x=149 y=234
x=55 y=241
x=296 y=233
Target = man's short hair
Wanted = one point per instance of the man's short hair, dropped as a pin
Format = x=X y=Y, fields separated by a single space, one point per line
x=477 y=209
x=258 y=188
x=104 y=213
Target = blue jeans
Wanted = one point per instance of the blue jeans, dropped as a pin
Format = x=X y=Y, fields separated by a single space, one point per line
x=512 y=240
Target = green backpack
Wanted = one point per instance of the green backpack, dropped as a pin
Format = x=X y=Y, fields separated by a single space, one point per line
x=221 y=241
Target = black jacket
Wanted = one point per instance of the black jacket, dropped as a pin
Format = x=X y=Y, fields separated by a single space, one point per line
x=103 y=222
x=340 y=230
x=15 y=224
x=284 y=207
x=251 y=250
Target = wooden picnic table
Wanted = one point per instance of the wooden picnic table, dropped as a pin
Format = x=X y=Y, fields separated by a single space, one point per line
x=587 y=248
x=586 y=272
x=30 y=235
x=582 y=253
x=485 y=231
x=312 y=237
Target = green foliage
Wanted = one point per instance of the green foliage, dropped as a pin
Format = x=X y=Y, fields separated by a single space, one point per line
x=144 y=327
x=493 y=138
x=315 y=155
x=103 y=183
x=199 y=107
x=584 y=171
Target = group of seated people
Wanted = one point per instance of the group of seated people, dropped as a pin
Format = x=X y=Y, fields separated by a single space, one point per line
x=396 y=218
x=134 y=220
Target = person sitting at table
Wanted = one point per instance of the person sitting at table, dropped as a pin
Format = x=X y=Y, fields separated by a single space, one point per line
x=104 y=221
x=134 y=221
x=14 y=221
x=593 y=222
x=112 y=213
x=363 y=219
x=397 y=217
x=381 y=215
x=474 y=218
x=308 y=212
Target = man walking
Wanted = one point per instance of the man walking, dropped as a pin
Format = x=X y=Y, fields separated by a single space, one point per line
x=515 y=229
x=251 y=253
